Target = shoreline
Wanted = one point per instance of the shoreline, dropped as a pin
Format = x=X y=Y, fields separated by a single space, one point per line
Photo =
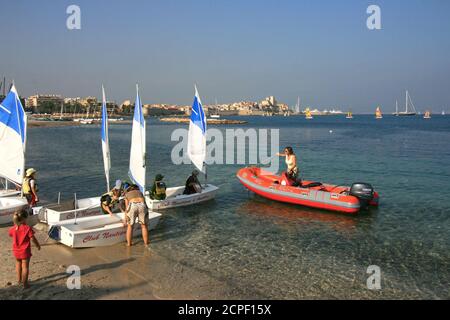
x=209 y=121
x=110 y=273
x=57 y=124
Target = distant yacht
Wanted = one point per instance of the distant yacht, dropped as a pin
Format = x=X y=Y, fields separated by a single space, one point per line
x=427 y=115
x=378 y=114
x=443 y=112
x=408 y=104
x=308 y=114
x=215 y=116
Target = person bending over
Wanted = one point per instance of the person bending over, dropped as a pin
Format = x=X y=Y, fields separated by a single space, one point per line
x=193 y=185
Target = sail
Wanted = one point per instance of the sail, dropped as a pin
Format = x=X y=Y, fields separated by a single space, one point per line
x=13 y=132
x=297 y=106
x=137 y=152
x=196 y=148
x=378 y=113
x=308 y=113
x=105 y=139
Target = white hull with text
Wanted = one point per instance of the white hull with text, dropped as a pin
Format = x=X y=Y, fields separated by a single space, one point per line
x=176 y=198
x=8 y=206
x=99 y=231
x=57 y=213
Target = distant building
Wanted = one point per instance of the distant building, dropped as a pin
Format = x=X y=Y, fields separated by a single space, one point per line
x=36 y=101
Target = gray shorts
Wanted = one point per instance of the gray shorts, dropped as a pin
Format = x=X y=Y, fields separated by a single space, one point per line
x=137 y=210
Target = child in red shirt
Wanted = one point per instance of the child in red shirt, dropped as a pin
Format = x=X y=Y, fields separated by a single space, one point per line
x=22 y=235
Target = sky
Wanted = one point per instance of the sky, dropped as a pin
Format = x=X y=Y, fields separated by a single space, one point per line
x=233 y=50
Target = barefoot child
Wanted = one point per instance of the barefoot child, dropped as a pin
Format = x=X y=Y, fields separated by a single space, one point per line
x=22 y=235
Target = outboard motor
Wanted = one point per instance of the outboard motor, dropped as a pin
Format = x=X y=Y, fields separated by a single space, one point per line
x=363 y=191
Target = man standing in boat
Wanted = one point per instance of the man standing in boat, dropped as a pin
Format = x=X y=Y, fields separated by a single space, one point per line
x=136 y=208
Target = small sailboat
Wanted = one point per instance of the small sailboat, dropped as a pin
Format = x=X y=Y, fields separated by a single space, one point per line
x=443 y=113
x=427 y=115
x=71 y=210
x=196 y=151
x=349 y=115
x=106 y=230
x=308 y=115
x=378 y=114
x=410 y=110
x=13 y=133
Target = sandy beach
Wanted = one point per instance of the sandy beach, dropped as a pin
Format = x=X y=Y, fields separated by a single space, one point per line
x=114 y=272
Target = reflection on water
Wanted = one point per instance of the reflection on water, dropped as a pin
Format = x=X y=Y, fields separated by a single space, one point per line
x=287 y=215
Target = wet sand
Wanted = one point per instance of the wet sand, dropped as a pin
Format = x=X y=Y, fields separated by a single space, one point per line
x=114 y=272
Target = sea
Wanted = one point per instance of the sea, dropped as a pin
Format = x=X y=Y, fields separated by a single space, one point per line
x=269 y=250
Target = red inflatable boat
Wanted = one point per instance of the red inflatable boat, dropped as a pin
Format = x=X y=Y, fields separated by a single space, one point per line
x=316 y=195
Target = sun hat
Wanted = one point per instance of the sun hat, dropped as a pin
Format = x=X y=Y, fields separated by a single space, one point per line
x=30 y=172
x=159 y=177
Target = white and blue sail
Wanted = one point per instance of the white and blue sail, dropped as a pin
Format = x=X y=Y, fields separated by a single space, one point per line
x=105 y=139
x=137 y=153
x=13 y=133
x=196 y=148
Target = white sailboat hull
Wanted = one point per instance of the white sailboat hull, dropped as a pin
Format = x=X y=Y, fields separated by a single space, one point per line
x=55 y=214
x=9 y=193
x=100 y=231
x=8 y=206
x=176 y=198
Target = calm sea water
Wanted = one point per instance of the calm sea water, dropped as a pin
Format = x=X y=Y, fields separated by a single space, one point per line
x=272 y=250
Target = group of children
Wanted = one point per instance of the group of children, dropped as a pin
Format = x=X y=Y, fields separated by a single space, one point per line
x=134 y=205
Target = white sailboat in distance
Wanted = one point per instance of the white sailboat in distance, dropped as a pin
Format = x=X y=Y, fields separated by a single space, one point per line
x=196 y=151
x=410 y=110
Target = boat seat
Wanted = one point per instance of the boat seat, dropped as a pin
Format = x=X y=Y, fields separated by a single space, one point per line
x=63 y=206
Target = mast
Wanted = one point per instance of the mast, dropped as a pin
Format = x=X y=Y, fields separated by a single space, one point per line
x=406 y=101
x=396 y=107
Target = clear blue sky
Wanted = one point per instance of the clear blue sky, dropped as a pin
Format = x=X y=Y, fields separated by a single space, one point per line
x=233 y=49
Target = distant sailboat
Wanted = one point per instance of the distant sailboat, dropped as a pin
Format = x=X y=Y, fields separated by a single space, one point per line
x=378 y=114
x=349 y=115
x=427 y=115
x=308 y=115
x=410 y=110
x=297 y=106
x=443 y=112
